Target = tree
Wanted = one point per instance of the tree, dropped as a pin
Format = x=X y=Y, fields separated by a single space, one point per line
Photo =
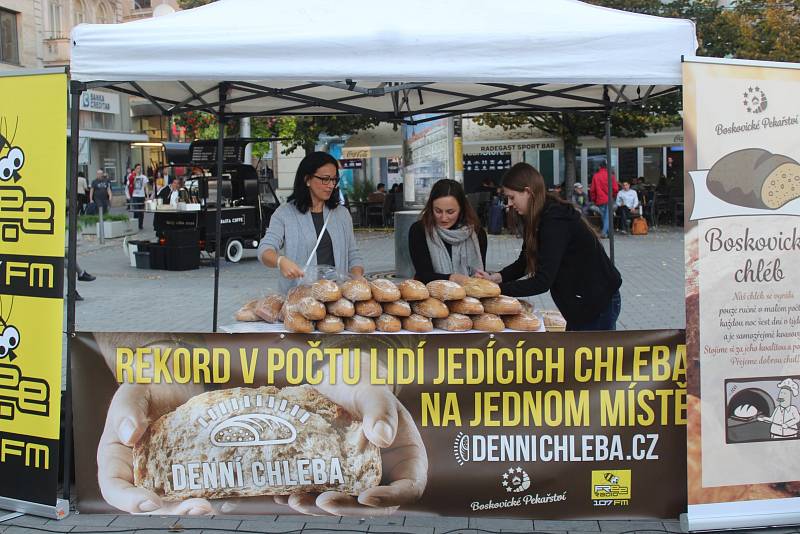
x=304 y=132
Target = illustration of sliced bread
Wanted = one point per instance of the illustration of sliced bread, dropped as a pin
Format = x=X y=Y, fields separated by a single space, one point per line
x=755 y=178
x=244 y=442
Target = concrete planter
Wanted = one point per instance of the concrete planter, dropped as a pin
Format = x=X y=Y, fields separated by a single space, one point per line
x=112 y=229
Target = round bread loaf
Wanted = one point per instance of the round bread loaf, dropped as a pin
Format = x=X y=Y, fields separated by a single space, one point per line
x=467 y=306
x=269 y=308
x=356 y=290
x=357 y=323
x=455 y=322
x=326 y=291
x=296 y=294
x=525 y=321
x=417 y=323
x=341 y=308
x=488 y=322
x=502 y=305
x=247 y=312
x=311 y=308
x=388 y=323
x=481 y=288
x=384 y=290
x=413 y=290
x=331 y=324
x=295 y=322
x=430 y=307
x=369 y=308
x=398 y=308
x=526 y=306
x=446 y=290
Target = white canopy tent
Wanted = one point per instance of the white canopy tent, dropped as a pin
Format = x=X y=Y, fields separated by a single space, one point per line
x=391 y=62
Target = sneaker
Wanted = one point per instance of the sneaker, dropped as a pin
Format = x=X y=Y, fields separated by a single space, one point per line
x=78 y=296
x=86 y=277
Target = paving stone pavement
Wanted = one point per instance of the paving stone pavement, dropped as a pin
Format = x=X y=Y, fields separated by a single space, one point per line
x=125 y=298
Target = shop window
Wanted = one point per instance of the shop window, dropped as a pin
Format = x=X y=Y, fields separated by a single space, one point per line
x=9 y=46
x=546 y=165
x=97 y=121
x=628 y=164
x=653 y=164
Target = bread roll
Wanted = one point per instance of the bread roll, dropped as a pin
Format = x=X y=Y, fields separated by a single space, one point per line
x=247 y=312
x=369 y=308
x=331 y=324
x=413 y=290
x=525 y=321
x=417 y=323
x=398 y=308
x=502 y=305
x=360 y=324
x=297 y=293
x=231 y=430
x=455 y=322
x=356 y=290
x=341 y=308
x=488 y=322
x=311 y=308
x=326 y=291
x=755 y=178
x=430 y=307
x=481 y=288
x=526 y=306
x=294 y=321
x=269 y=308
x=388 y=323
x=384 y=290
x=467 y=306
x=446 y=290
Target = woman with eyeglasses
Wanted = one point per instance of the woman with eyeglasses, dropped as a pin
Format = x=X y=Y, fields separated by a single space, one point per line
x=561 y=254
x=295 y=227
x=448 y=242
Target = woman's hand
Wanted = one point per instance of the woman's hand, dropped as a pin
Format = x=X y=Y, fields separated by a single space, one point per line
x=497 y=278
x=289 y=269
x=133 y=408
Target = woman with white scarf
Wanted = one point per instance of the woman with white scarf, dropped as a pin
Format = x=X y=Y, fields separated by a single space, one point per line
x=447 y=243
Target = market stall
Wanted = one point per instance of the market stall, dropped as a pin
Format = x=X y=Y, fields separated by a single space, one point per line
x=516 y=56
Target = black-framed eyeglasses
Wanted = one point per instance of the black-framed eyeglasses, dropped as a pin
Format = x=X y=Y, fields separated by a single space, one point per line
x=327 y=179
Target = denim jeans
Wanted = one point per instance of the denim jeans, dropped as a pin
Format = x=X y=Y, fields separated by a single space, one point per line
x=604 y=216
x=606 y=320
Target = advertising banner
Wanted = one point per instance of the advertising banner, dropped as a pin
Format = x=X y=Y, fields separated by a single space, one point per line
x=497 y=425
x=742 y=125
x=33 y=117
x=427 y=157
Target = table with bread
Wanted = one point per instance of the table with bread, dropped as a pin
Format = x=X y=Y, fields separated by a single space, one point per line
x=381 y=305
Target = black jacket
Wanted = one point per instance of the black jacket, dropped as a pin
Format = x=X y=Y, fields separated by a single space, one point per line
x=572 y=264
x=421 y=255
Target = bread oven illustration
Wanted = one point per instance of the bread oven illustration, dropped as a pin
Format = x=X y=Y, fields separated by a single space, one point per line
x=744 y=409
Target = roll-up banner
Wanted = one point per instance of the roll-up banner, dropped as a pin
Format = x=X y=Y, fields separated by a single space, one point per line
x=742 y=131
x=33 y=118
x=545 y=425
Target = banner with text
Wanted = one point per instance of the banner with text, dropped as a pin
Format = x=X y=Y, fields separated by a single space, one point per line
x=33 y=117
x=522 y=425
x=742 y=288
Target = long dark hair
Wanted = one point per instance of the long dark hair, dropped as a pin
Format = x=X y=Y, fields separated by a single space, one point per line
x=301 y=196
x=450 y=188
x=524 y=176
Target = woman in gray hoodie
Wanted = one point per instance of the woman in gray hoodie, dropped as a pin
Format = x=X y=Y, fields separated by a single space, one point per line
x=295 y=227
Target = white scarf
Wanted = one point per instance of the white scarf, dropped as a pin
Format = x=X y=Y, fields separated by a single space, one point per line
x=465 y=257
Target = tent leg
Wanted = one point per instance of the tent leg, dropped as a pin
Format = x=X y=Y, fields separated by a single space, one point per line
x=76 y=89
x=223 y=93
x=609 y=206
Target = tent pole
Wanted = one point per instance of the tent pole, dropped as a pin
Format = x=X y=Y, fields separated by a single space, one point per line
x=609 y=206
x=75 y=89
x=223 y=93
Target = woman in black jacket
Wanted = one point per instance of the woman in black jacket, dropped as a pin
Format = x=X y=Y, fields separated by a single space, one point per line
x=447 y=243
x=560 y=253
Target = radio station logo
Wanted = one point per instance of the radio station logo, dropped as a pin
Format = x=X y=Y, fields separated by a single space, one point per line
x=611 y=487
x=755 y=100
x=18 y=211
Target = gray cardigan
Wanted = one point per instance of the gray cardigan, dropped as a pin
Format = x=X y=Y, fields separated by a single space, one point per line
x=294 y=234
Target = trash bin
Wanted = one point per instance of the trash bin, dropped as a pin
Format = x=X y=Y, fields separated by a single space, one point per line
x=133 y=247
x=142 y=259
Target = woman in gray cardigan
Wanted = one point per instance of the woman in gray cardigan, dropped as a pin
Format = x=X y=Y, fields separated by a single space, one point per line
x=296 y=225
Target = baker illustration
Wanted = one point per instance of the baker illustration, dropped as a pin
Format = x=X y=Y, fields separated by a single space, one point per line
x=785 y=417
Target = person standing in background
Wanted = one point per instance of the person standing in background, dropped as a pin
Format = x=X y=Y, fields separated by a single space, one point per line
x=100 y=192
x=599 y=194
x=138 y=194
x=83 y=192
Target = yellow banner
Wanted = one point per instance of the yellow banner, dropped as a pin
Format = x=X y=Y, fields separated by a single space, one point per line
x=33 y=119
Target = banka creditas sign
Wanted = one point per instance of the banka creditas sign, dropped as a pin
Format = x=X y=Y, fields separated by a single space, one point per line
x=99 y=102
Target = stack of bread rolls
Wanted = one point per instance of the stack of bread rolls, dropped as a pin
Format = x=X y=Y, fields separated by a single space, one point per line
x=380 y=305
